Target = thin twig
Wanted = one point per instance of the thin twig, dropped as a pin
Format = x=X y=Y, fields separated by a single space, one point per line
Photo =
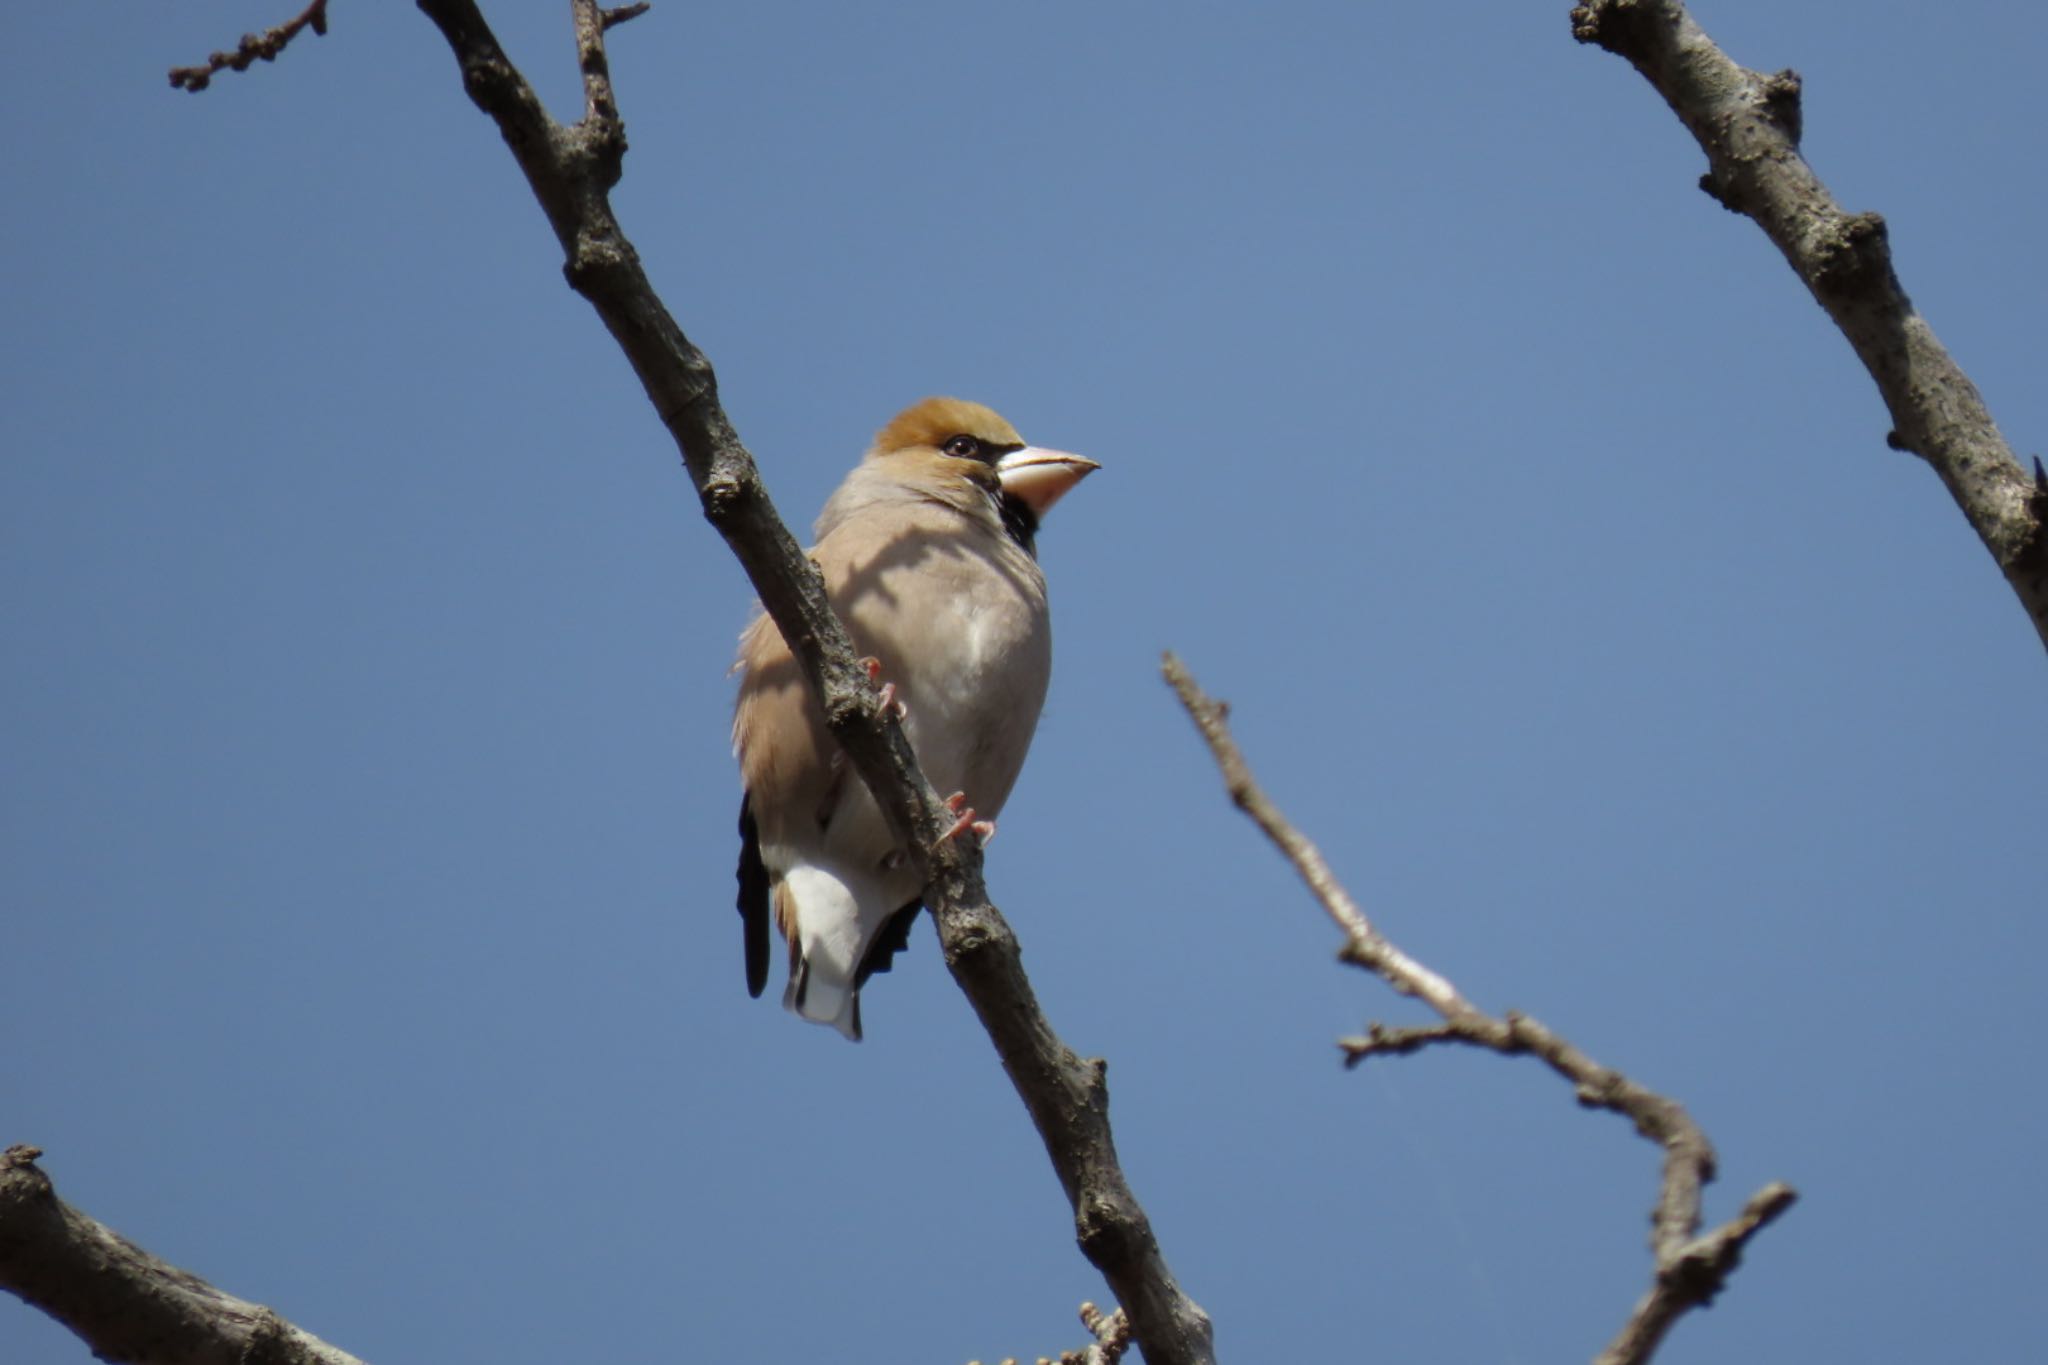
x=1690 y=1269
x=600 y=109
x=254 y=47
x=1364 y=944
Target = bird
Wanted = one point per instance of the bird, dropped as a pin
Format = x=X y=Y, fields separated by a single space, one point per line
x=928 y=552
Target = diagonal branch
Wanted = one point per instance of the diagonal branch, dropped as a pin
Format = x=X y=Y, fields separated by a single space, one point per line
x=571 y=169
x=1748 y=124
x=253 y=48
x=1690 y=1269
x=123 y=1302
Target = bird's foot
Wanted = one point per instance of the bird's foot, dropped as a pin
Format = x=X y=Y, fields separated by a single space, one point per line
x=985 y=830
x=891 y=703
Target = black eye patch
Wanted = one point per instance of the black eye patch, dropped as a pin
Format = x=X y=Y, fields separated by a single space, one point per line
x=965 y=447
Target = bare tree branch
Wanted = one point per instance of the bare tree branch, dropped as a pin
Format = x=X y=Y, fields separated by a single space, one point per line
x=571 y=170
x=1690 y=1269
x=1748 y=124
x=1692 y=1277
x=254 y=47
x=123 y=1302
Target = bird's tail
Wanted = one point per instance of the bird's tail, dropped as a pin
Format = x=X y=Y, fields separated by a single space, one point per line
x=829 y=939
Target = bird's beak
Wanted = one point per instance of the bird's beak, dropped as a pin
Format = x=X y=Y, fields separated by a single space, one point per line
x=1042 y=477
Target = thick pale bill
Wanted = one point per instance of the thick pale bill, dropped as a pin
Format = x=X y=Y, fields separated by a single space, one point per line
x=1041 y=477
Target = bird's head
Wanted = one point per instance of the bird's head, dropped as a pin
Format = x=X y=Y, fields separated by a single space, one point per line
x=953 y=441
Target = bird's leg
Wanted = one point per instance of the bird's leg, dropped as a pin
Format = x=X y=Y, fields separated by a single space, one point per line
x=889 y=698
x=984 y=829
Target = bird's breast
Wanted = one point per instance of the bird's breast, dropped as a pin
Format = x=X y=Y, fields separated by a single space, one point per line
x=968 y=643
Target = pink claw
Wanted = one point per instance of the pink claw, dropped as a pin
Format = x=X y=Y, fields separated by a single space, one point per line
x=890 y=701
x=984 y=829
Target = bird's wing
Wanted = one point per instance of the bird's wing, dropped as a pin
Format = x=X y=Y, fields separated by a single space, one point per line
x=753 y=899
x=892 y=938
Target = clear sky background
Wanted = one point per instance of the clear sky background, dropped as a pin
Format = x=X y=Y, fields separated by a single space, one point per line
x=367 y=848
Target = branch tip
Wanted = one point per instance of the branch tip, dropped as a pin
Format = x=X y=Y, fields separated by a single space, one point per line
x=254 y=47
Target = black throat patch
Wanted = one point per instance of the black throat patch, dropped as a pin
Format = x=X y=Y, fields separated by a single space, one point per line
x=1019 y=521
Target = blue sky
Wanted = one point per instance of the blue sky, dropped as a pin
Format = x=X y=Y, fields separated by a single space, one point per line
x=366 y=849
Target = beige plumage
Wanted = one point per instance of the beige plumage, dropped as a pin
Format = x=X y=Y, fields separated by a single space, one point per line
x=927 y=554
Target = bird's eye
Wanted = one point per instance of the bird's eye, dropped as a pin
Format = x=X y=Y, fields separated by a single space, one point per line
x=963 y=448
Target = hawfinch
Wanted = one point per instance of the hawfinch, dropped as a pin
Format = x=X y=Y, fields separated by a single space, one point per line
x=927 y=554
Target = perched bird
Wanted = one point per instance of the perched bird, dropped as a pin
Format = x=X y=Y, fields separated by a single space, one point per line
x=928 y=557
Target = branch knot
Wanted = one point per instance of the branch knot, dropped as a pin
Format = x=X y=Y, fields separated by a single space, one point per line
x=1852 y=252
x=1780 y=97
x=1622 y=27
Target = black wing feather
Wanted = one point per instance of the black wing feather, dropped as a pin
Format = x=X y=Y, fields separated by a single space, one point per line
x=753 y=900
x=892 y=938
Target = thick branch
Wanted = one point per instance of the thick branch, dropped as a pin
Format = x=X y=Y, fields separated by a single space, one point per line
x=123 y=1302
x=1690 y=1269
x=571 y=169
x=1748 y=124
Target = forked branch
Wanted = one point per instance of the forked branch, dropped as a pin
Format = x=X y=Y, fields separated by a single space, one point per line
x=1690 y=1268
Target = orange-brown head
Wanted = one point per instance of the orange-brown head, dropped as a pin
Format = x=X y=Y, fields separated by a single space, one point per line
x=972 y=444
